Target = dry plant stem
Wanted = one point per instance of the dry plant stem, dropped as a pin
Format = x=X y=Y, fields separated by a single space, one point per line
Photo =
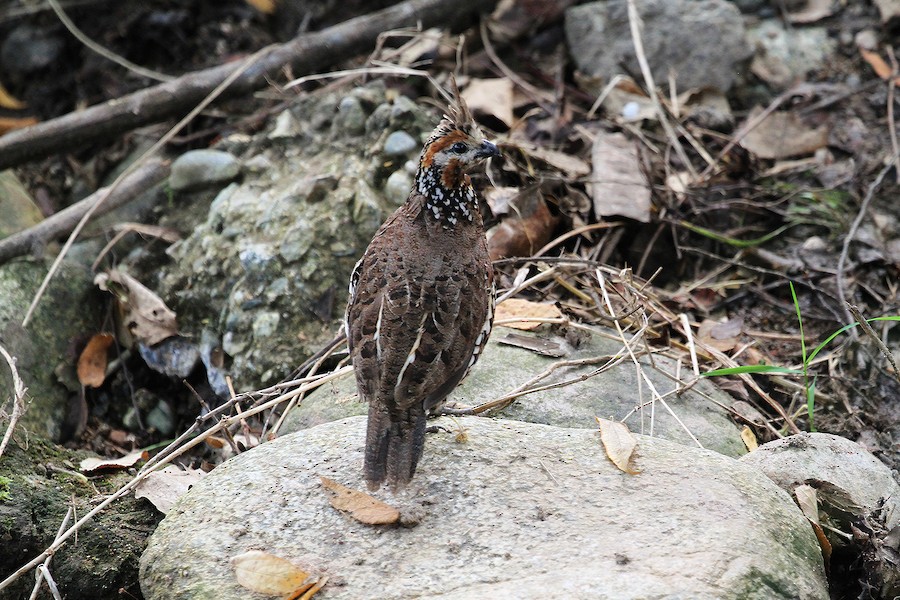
x=892 y=125
x=104 y=52
x=45 y=566
x=845 y=250
x=634 y=21
x=642 y=376
x=172 y=451
x=18 y=399
x=854 y=310
x=139 y=163
x=66 y=220
x=690 y=339
x=304 y=54
x=294 y=401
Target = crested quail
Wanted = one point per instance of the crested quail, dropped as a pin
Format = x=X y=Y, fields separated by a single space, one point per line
x=421 y=300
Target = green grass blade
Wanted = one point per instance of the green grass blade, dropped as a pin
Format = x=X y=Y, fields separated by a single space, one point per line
x=752 y=369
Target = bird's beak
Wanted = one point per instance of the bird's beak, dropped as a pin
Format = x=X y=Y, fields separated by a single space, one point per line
x=487 y=150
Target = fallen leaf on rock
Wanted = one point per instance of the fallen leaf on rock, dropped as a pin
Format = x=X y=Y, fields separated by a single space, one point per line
x=518 y=308
x=491 y=97
x=618 y=185
x=749 y=438
x=784 y=135
x=619 y=444
x=162 y=488
x=266 y=573
x=93 y=464
x=93 y=360
x=361 y=506
x=534 y=344
x=143 y=313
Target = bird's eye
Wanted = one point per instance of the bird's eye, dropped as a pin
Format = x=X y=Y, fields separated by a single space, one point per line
x=459 y=148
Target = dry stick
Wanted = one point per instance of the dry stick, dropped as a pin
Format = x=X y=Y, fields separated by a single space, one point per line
x=172 y=451
x=18 y=398
x=635 y=24
x=305 y=54
x=104 y=52
x=845 y=250
x=66 y=220
x=45 y=566
x=892 y=126
x=244 y=66
x=854 y=310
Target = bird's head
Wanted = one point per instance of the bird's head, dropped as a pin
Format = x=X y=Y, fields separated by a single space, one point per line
x=455 y=147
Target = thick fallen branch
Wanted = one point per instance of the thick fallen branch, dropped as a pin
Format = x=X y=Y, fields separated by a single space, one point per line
x=63 y=222
x=305 y=54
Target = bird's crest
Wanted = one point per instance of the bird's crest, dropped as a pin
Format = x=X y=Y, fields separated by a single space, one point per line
x=457 y=117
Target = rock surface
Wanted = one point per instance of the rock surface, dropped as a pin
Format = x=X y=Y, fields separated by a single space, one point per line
x=201 y=168
x=613 y=394
x=701 y=41
x=516 y=511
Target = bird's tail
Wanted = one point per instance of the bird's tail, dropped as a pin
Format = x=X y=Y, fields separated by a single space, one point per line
x=393 y=446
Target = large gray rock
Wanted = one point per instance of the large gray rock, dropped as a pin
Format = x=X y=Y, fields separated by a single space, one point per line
x=518 y=510
x=612 y=394
x=702 y=41
x=267 y=267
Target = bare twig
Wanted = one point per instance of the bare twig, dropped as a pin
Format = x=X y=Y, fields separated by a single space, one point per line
x=18 y=399
x=104 y=52
x=44 y=568
x=845 y=250
x=892 y=125
x=857 y=314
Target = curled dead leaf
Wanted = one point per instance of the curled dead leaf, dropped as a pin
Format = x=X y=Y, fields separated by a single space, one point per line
x=749 y=438
x=619 y=444
x=94 y=464
x=93 y=360
x=361 y=506
x=142 y=312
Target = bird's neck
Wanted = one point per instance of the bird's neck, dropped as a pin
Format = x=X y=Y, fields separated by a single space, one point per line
x=448 y=196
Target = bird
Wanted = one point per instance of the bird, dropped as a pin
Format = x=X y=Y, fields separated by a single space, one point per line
x=421 y=299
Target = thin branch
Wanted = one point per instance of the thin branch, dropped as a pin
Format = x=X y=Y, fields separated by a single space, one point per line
x=18 y=399
x=104 y=52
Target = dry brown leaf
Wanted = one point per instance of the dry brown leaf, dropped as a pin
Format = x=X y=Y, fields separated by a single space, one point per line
x=93 y=464
x=824 y=543
x=618 y=185
x=619 y=444
x=8 y=101
x=878 y=65
x=569 y=165
x=526 y=229
x=491 y=97
x=361 y=506
x=784 y=135
x=162 y=488
x=264 y=6
x=266 y=573
x=749 y=438
x=143 y=313
x=517 y=308
x=93 y=360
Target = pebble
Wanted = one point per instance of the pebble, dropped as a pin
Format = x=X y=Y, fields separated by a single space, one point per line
x=397 y=187
x=399 y=142
x=203 y=168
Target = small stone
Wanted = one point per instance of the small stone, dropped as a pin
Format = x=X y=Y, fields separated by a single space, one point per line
x=161 y=419
x=399 y=142
x=203 y=168
x=397 y=187
x=351 y=117
x=28 y=49
x=285 y=126
x=266 y=324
